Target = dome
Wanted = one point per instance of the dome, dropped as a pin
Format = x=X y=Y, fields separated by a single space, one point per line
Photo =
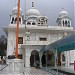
x=63 y=13
x=32 y=11
x=15 y=10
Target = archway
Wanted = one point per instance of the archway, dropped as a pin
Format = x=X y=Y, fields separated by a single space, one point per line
x=34 y=58
x=44 y=59
x=59 y=59
x=48 y=59
x=51 y=58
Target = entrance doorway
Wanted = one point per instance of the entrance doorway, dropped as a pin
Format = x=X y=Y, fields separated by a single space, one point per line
x=48 y=59
x=34 y=59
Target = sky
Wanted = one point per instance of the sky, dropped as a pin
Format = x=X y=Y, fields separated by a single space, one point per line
x=49 y=8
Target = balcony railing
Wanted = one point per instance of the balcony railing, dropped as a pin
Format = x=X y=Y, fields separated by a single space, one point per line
x=37 y=42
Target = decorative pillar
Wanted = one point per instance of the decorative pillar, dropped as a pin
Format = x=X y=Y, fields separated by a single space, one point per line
x=55 y=61
x=27 y=61
x=40 y=56
x=27 y=58
x=55 y=58
x=46 y=60
x=67 y=59
x=61 y=58
x=70 y=23
x=24 y=57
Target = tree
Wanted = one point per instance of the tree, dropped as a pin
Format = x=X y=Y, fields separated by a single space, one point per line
x=3 y=45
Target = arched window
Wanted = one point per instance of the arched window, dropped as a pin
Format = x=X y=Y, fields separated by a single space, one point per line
x=33 y=23
x=34 y=58
x=16 y=20
x=28 y=23
x=12 y=20
x=46 y=20
x=68 y=23
x=38 y=23
x=65 y=23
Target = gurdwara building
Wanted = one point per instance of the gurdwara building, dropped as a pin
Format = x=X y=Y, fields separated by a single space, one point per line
x=34 y=33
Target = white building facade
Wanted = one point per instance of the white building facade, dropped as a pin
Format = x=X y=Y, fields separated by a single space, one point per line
x=34 y=33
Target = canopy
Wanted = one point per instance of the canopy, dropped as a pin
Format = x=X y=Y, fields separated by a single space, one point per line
x=64 y=44
x=66 y=47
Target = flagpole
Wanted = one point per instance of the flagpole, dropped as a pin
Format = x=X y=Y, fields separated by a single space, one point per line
x=17 y=28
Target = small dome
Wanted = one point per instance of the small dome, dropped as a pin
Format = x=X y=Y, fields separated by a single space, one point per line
x=15 y=10
x=63 y=13
x=32 y=12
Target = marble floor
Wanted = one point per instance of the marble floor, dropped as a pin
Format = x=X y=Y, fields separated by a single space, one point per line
x=69 y=69
x=4 y=70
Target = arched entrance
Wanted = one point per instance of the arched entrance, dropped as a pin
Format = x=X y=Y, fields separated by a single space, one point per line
x=34 y=59
x=59 y=58
x=51 y=58
x=44 y=59
x=48 y=58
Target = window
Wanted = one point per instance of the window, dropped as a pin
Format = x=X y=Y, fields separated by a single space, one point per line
x=65 y=23
x=38 y=23
x=20 y=40
x=16 y=20
x=12 y=20
x=46 y=20
x=33 y=23
x=68 y=23
x=43 y=39
x=28 y=23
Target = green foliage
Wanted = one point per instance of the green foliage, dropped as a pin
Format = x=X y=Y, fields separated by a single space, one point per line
x=3 y=45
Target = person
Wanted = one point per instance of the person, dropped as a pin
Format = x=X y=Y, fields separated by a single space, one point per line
x=63 y=57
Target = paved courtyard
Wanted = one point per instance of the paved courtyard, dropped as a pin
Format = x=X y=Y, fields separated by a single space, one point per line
x=4 y=70
x=62 y=70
